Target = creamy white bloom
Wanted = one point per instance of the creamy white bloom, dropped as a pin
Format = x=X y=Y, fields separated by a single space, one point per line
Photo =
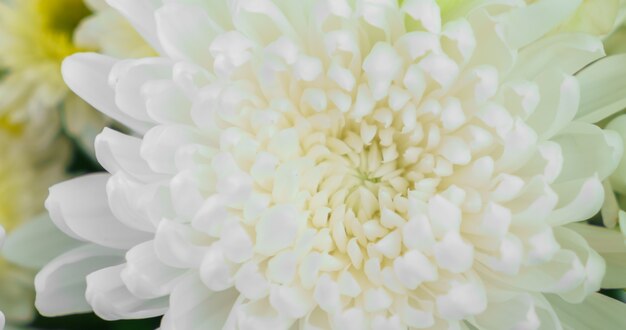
x=345 y=164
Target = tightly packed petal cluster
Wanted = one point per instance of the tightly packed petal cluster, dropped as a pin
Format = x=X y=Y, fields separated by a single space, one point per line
x=340 y=164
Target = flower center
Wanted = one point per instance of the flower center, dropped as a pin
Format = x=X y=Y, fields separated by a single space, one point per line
x=366 y=168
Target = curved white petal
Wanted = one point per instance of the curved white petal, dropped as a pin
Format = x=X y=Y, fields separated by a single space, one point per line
x=87 y=75
x=138 y=206
x=145 y=275
x=615 y=277
x=111 y=300
x=602 y=84
x=518 y=311
x=580 y=200
x=528 y=23
x=588 y=150
x=618 y=178
x=117 y=151
x=610 y=245
x=61 y=285
x=79 y=208
x=555 y=111
x=594 y=265
x=194 y=307
x=260 y=20
x=602 y=240
x=563 y=273
x=130 y=78
x=597 y=311
x=252 y=315
x=174 y=245
x=140 y=14
x=161 y=143
x=180 y=26
x=565 y=53
x=165 y=99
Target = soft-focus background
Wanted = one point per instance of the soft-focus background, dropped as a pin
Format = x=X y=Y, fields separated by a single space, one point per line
x=47 y=133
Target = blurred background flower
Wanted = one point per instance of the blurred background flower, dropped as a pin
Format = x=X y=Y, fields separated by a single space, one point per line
x=26 y=171
x=45 y=130
x=35 y=37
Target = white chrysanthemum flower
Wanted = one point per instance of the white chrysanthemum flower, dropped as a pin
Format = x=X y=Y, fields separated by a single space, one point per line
x=345 y=164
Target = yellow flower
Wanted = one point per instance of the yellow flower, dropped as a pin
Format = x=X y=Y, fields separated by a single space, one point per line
x=35 y=37
x=25 y=173
x=39 y=31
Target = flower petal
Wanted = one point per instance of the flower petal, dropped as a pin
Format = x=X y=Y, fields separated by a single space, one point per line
x=602 y=86
x=596 y=312
x=587 y=151
x=174 y=245
x=555 y=111
x=618 y=178
x=111 y=300
x=138 y=206
x=146 y=276
x=594 y=265
x=580 y=200
x=529 y=23
x=161 y=143
x=517 y=311
x=139 y=13
x=130 y=78
x=79 y=208
x=610 y=245
x=87 y=75
x=194 y=307
x=116 y=151
x=567 y=53
x=180 y=27
x=61 y=285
